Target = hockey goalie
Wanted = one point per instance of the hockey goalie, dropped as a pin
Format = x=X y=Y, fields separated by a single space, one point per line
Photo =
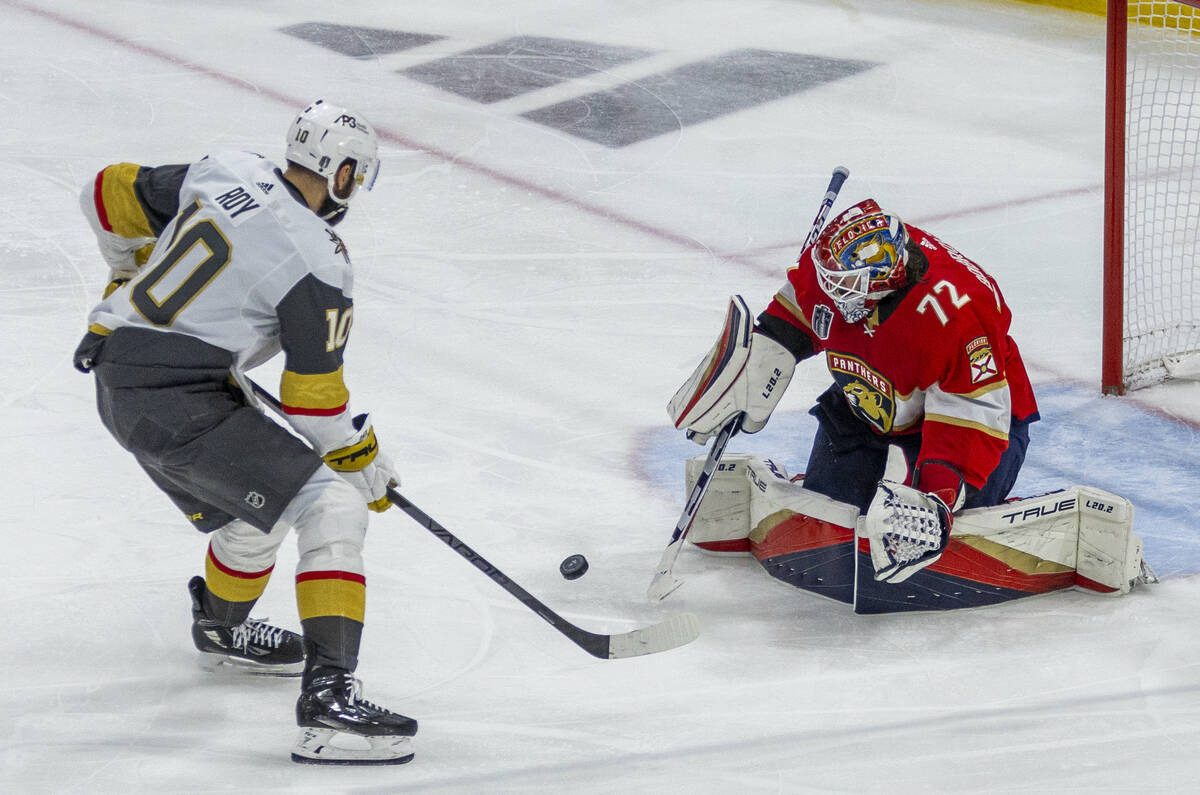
x=904 y=504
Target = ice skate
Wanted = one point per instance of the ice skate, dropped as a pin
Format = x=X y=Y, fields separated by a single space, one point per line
x=337 y=727
x=253 y=646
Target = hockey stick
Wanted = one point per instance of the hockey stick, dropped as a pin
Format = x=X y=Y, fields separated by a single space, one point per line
x=677 y=630
x=831 y=193
x=664 y=581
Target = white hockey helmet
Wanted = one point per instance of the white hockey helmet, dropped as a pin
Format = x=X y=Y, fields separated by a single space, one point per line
x=325 y=136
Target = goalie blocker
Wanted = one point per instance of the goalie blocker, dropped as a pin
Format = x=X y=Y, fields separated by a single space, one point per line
x=1080 y=537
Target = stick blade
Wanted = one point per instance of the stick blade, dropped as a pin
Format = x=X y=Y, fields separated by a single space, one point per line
x=678 y=630
x=662 y=586
x=664 y=580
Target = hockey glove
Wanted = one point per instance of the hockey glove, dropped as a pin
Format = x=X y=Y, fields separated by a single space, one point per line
x=113 y=286
x=87 y=351
x=746 y=371
x=124 y=255
x=907 y=529
x=942 y=480
x=362 y=465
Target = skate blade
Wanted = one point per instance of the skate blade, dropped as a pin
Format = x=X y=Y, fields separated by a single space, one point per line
x=224 y=664
x=331 y=747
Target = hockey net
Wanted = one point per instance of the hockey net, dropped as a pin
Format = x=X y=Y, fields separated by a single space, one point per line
x=1152 y=194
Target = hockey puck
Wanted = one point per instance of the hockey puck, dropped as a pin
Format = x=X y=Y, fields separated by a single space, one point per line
x=573 y=567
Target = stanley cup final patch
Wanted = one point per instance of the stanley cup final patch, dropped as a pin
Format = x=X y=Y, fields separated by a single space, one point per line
x=983 y=361
x=822 y=321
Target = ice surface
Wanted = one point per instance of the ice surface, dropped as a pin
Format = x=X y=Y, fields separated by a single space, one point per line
x=528 y=300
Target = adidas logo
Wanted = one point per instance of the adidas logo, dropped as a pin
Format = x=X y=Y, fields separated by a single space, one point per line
x=265 y=187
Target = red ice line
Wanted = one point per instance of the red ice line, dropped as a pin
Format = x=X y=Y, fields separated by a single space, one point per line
x=514 y=181
x=387 y=135
x=433 y=151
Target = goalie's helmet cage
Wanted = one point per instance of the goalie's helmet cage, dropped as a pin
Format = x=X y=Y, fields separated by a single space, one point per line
x=860 y=257
x=325 y=136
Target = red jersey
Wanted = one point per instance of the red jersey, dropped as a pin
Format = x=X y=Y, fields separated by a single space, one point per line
x=940 y=361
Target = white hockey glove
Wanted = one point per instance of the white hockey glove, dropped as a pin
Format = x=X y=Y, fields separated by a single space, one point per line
x=908 y=530
x=745 y=372
x=362 y=465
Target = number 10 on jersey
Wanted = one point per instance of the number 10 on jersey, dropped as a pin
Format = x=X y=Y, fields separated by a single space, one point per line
x=339 y=327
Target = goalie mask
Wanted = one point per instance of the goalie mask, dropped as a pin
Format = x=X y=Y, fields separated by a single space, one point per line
x=323 y=138
x=860 y=257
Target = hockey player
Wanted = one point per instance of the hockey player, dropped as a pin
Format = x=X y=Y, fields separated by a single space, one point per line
x=216 y=266
x=916 y=339
x=919 y=439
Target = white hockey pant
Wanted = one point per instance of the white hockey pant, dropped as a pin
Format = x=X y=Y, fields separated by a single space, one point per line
x=330 y=519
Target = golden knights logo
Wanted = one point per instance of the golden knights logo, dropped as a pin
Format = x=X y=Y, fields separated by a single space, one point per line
x=983 y=362
x=339 y=245
x=869 y=394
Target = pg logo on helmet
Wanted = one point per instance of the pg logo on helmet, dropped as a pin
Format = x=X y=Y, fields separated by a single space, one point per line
x=324 y=137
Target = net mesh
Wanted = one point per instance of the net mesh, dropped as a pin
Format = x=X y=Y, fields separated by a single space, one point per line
x=1162 y=193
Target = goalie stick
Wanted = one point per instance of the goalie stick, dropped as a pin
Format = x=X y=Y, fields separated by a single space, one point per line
x=677 y=630
x=664 y=581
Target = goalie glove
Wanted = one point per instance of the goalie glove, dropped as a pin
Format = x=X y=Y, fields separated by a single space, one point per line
x=908 y=529
x=362 y=465
x=745 y=372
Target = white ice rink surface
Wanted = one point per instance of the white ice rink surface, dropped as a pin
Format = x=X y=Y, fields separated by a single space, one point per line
x=528 y=300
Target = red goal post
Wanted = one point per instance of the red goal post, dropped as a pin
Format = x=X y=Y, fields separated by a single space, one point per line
x=1151 y=310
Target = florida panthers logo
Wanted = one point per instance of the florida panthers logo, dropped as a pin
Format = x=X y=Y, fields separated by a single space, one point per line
x=868 y=403
x=868 y=393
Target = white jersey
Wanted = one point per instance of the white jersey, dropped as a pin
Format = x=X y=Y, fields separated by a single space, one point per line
x=243 y=265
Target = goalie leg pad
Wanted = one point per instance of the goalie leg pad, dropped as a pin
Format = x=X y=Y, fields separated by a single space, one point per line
x=721 y=525
x=1084 y=528
x=799 y=536
x=993 y=555
x=1079 y=537
x=1109 y=555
